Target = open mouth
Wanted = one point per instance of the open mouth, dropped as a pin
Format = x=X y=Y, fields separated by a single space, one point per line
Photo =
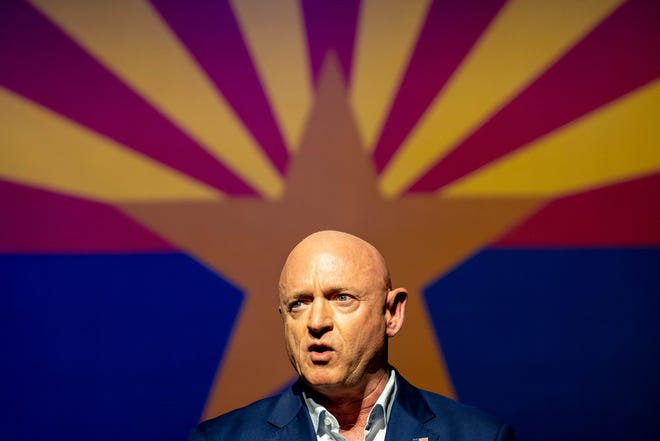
x=320 y=354
x=319 y=348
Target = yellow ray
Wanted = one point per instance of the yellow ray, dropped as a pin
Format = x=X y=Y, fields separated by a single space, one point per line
x=42 y=149
x=131 y=40
x=387 y=31
x=523 y=41
x=275 y=35
x=615 y=143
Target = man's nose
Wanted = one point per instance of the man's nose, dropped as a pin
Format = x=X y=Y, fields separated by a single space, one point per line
x=320 y=317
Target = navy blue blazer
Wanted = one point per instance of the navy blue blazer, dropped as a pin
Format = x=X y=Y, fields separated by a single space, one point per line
x=416 y=414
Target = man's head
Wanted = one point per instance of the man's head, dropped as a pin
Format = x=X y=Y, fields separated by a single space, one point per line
x=338 y=310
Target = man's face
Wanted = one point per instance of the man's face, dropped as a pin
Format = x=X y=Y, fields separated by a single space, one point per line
x=332 y=301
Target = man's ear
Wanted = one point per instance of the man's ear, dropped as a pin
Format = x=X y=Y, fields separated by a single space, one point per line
x=395 y=310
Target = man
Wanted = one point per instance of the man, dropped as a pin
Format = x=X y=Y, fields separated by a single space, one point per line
x=339 y=310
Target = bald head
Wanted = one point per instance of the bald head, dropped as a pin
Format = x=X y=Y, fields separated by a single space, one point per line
x=357 y=252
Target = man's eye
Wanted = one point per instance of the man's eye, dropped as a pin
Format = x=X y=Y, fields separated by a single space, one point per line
x=295 y=305
x=343 y=297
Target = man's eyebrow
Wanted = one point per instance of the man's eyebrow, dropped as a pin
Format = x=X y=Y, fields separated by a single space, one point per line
x=338 y=290
x=329 y=291
x=297 y=295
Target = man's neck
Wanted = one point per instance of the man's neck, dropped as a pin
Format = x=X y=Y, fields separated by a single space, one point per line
x=351 y=408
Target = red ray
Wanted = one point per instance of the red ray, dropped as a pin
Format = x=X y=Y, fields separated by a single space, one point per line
x=621 y=214
x=331 y=26
x=41 y=221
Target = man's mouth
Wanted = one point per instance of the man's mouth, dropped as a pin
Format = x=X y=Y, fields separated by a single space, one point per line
x=320 y=353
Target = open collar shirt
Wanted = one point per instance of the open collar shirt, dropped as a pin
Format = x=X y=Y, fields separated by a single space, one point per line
x=327 y=427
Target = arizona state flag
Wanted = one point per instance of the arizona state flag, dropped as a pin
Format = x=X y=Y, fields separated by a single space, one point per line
x=158 y=159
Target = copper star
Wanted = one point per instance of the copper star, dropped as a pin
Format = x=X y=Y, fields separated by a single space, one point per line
x=331 y=184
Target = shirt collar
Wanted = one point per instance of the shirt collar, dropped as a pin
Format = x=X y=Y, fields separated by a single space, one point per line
x=382 y=408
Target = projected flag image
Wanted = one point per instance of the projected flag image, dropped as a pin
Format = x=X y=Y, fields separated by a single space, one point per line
x=159 y=159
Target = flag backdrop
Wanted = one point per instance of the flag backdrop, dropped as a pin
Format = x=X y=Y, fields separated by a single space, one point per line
x=159 y=159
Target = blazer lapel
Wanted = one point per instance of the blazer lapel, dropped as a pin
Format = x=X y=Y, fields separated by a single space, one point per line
x=290 y=418
x=409 y=414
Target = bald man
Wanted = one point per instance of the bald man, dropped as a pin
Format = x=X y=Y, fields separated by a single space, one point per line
x=339 y=310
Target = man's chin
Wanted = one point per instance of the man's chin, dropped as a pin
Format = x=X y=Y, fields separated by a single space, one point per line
x=321 y=378
x=320 y=381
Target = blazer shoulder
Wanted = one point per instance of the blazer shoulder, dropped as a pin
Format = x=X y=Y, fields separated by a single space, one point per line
x=249 y=423
x=445 y=417
x=468 y=421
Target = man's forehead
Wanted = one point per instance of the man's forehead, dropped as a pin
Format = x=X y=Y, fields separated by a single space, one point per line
x=334 y=259
x=342 y=245
x=330 y=265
